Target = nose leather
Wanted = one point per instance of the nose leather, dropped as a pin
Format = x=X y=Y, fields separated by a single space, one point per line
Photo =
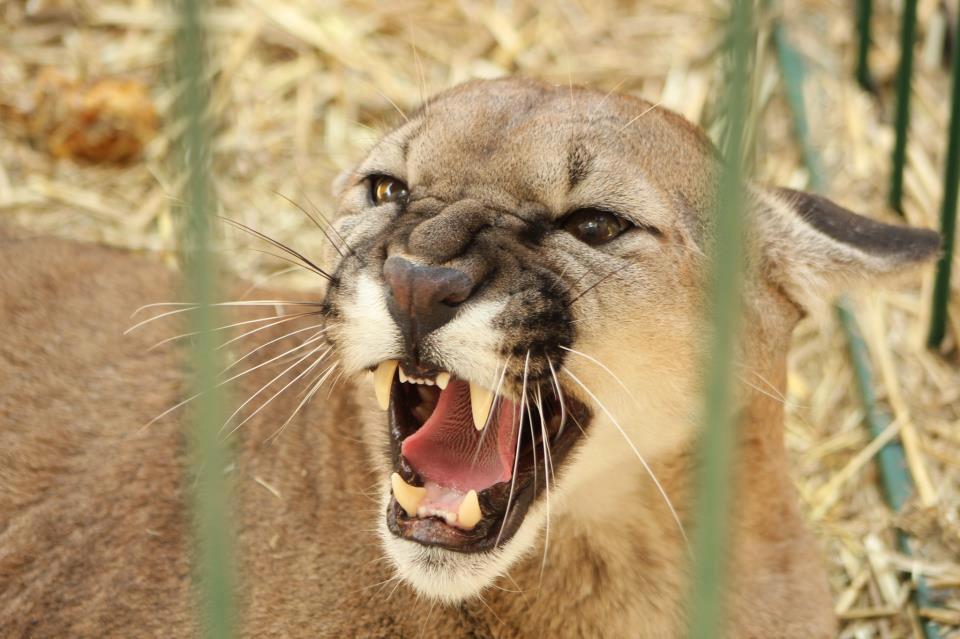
x=423 y=298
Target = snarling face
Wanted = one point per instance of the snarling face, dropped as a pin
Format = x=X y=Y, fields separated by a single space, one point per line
x=521 y=279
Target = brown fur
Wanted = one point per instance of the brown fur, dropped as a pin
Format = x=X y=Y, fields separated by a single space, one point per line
x=93 y=527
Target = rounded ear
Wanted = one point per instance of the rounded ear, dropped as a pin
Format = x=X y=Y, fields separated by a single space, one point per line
x=813 y=248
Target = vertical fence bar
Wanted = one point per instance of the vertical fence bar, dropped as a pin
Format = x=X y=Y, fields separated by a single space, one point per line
x=948 y=215
x=894 y=471
x=715 y=481
x=864 y=11
x=208 y=455
x=908 y=28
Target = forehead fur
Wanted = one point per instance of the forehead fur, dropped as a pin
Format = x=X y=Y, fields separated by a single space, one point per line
x=556 y=145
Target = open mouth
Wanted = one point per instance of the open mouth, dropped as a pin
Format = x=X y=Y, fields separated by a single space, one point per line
x=468 y=463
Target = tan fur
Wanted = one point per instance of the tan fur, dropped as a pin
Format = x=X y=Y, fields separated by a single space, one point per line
x=93 y=528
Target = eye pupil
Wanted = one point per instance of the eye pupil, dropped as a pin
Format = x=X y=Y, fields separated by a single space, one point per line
x=388 y=190
x=593 y=226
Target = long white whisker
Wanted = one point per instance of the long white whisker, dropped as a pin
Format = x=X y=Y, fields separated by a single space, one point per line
x=547 y=462
x=285 y=319
x=494 y=409
x=321 y=331
x=234 y=325
x=186 y=306
x=559 y=393
x=228 y=380
x=643 y=462
x=268 y=384
x=516 y=455
x=313 y=389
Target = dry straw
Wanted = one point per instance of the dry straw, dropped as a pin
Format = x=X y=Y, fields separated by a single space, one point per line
x=302 y=87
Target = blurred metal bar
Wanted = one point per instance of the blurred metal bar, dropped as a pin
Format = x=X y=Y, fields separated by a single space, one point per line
x=894 y=472
x=948 y=215
x=715 y=480
x=908 y=28
x=213 y=570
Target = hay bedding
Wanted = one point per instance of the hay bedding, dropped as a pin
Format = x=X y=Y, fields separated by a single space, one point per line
x=301 y=88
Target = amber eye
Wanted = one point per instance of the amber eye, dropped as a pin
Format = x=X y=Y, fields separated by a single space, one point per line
x=385 y=190
x=594 y=226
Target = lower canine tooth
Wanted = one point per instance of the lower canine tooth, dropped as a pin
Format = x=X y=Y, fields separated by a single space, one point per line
x=409 y=497
x=469 y=514
x=481 y=399
x=382 y=380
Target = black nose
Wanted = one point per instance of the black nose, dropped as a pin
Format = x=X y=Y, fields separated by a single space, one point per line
x=423 y=298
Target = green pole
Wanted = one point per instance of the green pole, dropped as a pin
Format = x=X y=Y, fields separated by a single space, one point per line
x=715 y=481
x=894 y=472
x=208 y=455
x=864 y=10
x=908 y=28
x=948 y=215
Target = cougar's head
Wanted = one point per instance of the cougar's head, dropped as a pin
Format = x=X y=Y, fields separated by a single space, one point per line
x=524 y=285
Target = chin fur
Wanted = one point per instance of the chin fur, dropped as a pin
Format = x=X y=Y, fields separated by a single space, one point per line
x=452 y=577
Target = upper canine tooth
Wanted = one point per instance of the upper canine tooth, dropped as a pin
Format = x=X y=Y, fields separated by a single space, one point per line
x=468 y=515
x=443 y=379
x=409 y=497
x=382 y=380
x=481 y=399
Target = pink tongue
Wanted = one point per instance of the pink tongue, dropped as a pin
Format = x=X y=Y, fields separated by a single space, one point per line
x=449 y=451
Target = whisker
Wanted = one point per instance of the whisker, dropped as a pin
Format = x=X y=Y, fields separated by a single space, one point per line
x=494 y=409
x=268 y=384
x=283 y=247
x=283 y=319
x=275 y=339
x=652 y=107
x=190 y=306
x=260 y=281
x=516 y=455
x=314 y=220
x=600 y=281
x=643 y=462
x=234 y=325
x=333 y=229
x=559 y=393
x=546 y=483
x=283 y=258
x=226 y=381
x=313 y=389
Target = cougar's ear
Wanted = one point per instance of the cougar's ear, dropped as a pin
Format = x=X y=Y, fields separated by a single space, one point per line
x=813 y=248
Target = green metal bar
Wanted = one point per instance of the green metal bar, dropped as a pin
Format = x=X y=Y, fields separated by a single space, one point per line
x=864 y=11
x=948 y=215
x=894 y=472
x=208 y=455
x=715 y=483
x=908 y=28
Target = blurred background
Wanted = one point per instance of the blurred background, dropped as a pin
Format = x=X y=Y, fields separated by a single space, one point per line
x=300 y=89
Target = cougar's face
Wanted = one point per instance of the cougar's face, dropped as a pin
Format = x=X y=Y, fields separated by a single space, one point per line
x=514 y=268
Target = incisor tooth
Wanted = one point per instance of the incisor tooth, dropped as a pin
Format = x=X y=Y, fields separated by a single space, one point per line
x=403 y=376
x=382 y=380
x=481 y=399
x=469 y=513
x=409 y=497
x=443 y=379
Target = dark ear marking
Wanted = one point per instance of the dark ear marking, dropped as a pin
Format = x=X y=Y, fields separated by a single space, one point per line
x=901 y=243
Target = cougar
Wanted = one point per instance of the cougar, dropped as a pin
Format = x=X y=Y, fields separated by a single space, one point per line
x=489 y=427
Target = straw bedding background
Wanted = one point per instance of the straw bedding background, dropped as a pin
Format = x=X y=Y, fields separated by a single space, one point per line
x=302 y=87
